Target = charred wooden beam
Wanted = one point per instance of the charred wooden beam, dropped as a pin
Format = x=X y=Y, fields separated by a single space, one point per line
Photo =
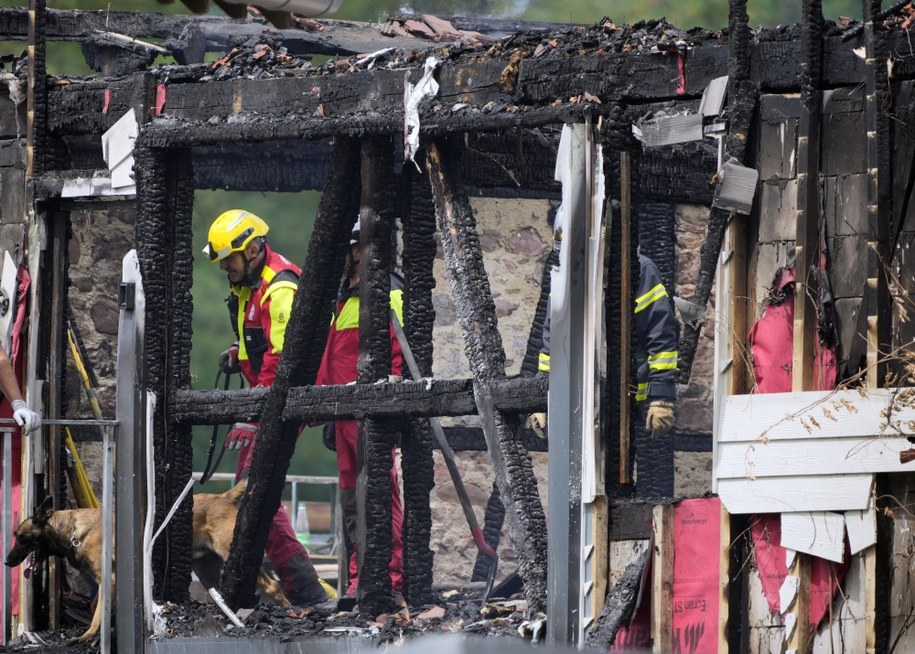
x=377 y=438
x=298 y=366
x=620 y=603
x=164 y=248
x=219 y=34
x=483 y=345
x=37 y=94
x=419 y=250
x=424 y=399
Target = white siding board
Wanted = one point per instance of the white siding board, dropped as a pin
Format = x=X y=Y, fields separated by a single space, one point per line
x=813 y=414
x=820 y=533
x=777 y=495
x=812 y=456
x=862 y=529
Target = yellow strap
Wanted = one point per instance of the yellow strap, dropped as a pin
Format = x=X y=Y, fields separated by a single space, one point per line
x=652 y=296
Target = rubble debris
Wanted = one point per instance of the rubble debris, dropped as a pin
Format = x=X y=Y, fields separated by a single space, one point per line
x=257 y=59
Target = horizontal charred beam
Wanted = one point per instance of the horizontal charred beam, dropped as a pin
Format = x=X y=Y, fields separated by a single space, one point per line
x=471 y=95
x=386 y=400
x=219 y=34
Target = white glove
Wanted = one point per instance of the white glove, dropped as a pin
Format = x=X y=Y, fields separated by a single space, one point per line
x=25 y=417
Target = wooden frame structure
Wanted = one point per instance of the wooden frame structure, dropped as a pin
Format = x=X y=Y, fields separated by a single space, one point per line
x=350 y=118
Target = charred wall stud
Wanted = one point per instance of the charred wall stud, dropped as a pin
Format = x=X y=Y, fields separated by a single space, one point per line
x=483 y=346
x=377 y=438
x=165 y=199
x=298 y=366
x=416 y=446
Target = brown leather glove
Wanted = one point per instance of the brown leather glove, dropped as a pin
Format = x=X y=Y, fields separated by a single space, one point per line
x=660 y=417
x=537 y=423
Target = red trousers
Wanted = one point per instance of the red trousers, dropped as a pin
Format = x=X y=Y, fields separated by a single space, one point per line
x=282 y=544
x=347 y=437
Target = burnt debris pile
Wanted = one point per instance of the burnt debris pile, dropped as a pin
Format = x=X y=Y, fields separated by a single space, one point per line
x=257 y=59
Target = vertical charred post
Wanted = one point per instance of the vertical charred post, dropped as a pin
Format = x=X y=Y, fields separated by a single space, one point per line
x=165 y=199
x=303 y=346
x=483 y=345
x=377 y=436
x=742 y=94
x=37 y=101
x=416 y=445
x=879 y=193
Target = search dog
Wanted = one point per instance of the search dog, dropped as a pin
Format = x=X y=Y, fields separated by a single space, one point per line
x=76 y=535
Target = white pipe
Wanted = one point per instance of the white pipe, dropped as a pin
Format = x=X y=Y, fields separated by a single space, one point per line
x=312 y=8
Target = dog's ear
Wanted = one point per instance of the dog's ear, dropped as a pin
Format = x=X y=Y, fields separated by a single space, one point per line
x=44 y=511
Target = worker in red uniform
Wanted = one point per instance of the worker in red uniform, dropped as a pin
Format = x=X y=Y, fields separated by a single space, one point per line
x=338 y=366
x=263 y=284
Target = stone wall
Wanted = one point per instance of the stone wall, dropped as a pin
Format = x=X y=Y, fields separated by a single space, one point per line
x=99 y=241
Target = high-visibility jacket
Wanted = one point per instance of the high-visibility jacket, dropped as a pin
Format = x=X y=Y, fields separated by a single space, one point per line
x=260 y=316
x=341 y=354
x=657 y=335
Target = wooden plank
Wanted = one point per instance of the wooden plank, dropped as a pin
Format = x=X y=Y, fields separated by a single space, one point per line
x=662 y=578
x=773 y=495
x=814 y=414
x=724 y=579
x=818 y=533
x=813 y=456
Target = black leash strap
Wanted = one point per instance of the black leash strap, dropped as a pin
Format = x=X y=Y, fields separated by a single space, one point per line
x=210 y=466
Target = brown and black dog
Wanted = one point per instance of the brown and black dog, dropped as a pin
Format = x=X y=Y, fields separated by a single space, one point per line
x=76 y=534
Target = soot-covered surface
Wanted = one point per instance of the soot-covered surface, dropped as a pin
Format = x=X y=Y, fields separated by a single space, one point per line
x=453 y=612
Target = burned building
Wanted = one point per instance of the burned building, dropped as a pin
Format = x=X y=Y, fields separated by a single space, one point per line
x=773 y=164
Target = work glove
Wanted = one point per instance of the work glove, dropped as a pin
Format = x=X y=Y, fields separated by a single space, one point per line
x=25 y=417
x=537 y=423
x=228 y=361
x=241 y=435
x=660 y=417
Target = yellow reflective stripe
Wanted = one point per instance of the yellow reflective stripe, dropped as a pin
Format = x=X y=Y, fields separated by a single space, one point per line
x=652 y=296
x=243 y=294
x=642 y=393
x=280 y=310
x=543 y=364
x=663 y=361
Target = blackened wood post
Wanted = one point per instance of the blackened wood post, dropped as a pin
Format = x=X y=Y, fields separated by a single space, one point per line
x=742 y=95
x=298 y=366
x=165 y=184
x=808 y=196
x=879 y=194
x=416 y=445
x=376 y=437
x=483 y=346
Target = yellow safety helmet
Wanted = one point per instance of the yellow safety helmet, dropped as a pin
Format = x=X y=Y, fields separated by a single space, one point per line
x=231 y=232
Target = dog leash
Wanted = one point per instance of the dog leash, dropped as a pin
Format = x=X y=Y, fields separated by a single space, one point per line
x=210 y=467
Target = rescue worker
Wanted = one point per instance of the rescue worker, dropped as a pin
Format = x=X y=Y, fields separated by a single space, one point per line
x=657 y=334
x=22 y=414
x=338 y=366
x=263 y=284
